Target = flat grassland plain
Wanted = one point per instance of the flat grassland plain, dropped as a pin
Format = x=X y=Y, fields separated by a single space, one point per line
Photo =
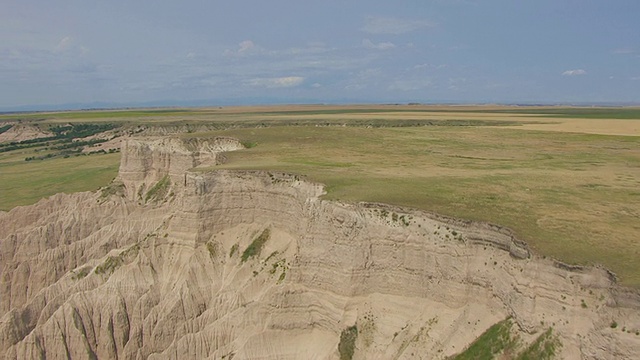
x=566 y=180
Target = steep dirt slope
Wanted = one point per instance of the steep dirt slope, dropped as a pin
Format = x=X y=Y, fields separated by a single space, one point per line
x=171 y=263
x=19 y=132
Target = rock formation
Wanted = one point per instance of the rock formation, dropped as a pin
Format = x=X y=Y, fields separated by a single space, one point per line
x=19 y=132
x=172 y=263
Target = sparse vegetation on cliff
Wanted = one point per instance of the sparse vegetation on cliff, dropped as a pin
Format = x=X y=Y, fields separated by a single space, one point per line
x=234 y=250
x=282 y=265
x=159 y=190
x=81 y=273
x=112 y=263
x=112 y=189
x=213 y=250
x=256 y=245
x=498 y=341
x=109 y=265
x=4 y=128
x=347 y=345
x=543 y=348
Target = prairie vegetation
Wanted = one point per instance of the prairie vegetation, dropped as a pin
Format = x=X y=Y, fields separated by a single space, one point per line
x=256 y=245
x=498 y=342
x=24 y=183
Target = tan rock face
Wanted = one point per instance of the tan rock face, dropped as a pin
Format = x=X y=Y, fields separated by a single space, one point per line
x=255 y=265
x=19 y=132
x=147 y=161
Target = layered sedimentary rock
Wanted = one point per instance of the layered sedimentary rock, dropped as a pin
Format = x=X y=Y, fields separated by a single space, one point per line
x=19 y=132
x=147 y=161
x=255 y=265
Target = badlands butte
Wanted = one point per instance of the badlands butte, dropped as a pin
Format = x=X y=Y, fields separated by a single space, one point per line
x=181 y=257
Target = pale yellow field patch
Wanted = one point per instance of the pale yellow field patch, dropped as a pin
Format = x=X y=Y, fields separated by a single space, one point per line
x=588 y=126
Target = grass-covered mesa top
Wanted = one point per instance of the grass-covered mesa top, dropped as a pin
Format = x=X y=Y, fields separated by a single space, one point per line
x=566 y=180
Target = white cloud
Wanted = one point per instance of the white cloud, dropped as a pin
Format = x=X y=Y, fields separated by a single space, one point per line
x=393 y=26
x=279 y=82
x=310 y=49
x=635 y=78
x=244 y=47
x=456 y=83
x=410 y=85
x=367 y=74
x=63 y=45
x=624 y=51
x=354 y=87
x=380 y=46
x=575 y=72
x=430 y=66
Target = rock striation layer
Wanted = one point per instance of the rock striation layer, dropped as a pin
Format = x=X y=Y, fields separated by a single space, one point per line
x=169 y=263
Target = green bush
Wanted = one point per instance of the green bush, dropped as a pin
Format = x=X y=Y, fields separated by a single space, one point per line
x=492 y=342
x=256 y=245
x=113 y=262
x=249 y=144
x=112 y=189
x=212 y=250
x=234 y=249
x=110 y=265
x=159 y=190
x=347 y=345
x=82 y=273
x=543 y=348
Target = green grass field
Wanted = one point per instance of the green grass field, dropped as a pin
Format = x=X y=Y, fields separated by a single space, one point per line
x=573 y=196
x=24 y=183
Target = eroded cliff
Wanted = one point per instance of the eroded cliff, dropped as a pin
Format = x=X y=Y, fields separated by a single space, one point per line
x=173 y=263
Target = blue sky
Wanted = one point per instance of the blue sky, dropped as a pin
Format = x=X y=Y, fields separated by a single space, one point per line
x=247 y=51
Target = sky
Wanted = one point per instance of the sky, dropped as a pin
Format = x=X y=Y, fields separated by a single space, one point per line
x=57 y=53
